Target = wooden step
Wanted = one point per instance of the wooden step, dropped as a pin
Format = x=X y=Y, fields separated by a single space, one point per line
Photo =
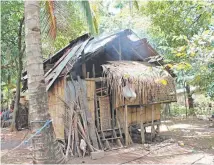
x=109 y=130
x=114 y=138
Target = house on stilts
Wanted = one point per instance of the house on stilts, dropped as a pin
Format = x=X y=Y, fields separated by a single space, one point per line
x=105 y=90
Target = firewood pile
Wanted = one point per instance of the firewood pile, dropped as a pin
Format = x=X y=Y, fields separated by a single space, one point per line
x=81 y=133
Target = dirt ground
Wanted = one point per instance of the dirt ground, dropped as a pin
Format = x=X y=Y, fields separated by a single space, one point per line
x=185 y=142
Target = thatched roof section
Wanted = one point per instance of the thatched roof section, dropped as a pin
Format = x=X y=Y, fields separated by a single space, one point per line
x=151 y=83
x=134 y=71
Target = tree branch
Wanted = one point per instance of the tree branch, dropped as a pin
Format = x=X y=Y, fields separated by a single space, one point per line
x=20 y=34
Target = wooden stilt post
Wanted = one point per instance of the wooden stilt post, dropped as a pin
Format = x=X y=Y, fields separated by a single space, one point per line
x=158 y=129
x=142 y=126
x=126 y=126
x=152 y=127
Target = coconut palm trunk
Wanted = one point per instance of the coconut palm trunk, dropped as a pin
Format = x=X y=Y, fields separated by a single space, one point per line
x=46 y=149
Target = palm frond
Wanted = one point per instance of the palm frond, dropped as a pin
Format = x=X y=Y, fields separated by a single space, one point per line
x=90 y=17
x=48 y=18
x=52 y=19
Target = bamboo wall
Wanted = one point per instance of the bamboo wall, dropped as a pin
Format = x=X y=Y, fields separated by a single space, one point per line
x=135 y=116
x=57 y=107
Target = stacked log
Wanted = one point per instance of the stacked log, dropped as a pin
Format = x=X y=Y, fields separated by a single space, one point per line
x=79 y=123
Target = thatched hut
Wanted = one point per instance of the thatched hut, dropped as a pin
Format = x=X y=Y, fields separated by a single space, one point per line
x=99 y=87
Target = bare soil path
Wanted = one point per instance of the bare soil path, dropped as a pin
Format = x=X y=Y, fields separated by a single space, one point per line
x=186 y=142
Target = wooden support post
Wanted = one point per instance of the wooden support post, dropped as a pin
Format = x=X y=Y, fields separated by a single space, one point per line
x=93 y=71
x=112 y=109
x=142 y=126
x=96 y=109
x=126 y=126
x=152 y=127
x=88 y=74
x=84 y=70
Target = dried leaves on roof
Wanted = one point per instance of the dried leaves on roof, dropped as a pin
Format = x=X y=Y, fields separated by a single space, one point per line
x=152 y=83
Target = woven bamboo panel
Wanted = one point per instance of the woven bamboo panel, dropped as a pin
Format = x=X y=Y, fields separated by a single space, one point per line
x=105 y=113
x=135 y=114
x=57 y=108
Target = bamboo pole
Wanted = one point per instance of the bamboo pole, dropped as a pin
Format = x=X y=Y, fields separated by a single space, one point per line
x=126 y=126
x=76 y=135
x=69 y=141
x=96 y=109
x=152 y=127
x=142 y=126
x=72 y=142
x=84 y=135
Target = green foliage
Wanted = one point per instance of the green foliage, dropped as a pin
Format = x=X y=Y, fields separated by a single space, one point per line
x=113 y=18
x=70 y=25
x=90 y=17
x=177 y=18
x=199 y=54
x=202 y=105
x=177 y=110
x=181 y=29
x=11 y=14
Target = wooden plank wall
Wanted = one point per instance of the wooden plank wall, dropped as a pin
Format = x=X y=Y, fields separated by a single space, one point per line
x=57 y=107
x=134 y=116
x=90 y=87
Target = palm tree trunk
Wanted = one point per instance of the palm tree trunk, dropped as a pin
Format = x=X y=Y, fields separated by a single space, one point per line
x=45 y=147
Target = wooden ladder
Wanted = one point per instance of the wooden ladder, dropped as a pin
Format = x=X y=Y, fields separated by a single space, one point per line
x=103 y=134
x=112 y=137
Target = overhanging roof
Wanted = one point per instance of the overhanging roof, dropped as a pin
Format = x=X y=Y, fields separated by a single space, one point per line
x=124 y=45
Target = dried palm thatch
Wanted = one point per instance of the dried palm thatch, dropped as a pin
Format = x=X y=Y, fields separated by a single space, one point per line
x=151 y=83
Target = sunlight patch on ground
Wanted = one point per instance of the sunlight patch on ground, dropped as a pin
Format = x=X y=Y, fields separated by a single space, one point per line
x=197 y=136
x=175 y=126
x=166 y=121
